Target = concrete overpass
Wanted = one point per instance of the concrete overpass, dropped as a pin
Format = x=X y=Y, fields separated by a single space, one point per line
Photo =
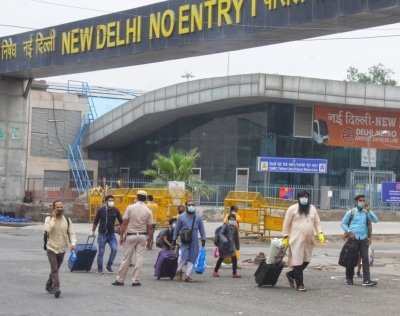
x=155 y=109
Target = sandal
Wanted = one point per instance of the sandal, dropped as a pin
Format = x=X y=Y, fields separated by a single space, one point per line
x=179 y=275
x=188 y=279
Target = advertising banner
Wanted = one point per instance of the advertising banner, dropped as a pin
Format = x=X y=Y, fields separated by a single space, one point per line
x=335 y=126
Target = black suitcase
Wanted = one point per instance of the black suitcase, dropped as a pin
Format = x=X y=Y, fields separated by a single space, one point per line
x=85 y=254
x=268 y=274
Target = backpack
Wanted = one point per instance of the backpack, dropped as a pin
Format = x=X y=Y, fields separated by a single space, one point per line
x=216 y=236
x=160 y=238
x=46 y=235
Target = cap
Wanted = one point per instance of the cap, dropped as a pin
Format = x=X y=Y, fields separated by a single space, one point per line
x=141 y=192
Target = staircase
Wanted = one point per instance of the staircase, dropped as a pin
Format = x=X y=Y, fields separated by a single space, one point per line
x=76 y=161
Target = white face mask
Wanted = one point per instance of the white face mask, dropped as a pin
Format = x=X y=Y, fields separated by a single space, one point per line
x=232 y=222
x=303 y=200
x=191 y=209
x=110 y=203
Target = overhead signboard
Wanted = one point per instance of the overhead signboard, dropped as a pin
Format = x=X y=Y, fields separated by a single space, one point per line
x=352 y=127
x=292 y=165
x=391 y=192
x=177 y=29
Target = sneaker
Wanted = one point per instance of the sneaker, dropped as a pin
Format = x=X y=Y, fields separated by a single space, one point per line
x=136 y=284
x=49 y=289
x=301 y=288
x=359 y=275
x=369 y=283
x=57 y=294
x=215 y=274
x=100 y=271
x=349 y=281
x=236 y=276
x=117 y=283
x=109 y=270
x=290 y=280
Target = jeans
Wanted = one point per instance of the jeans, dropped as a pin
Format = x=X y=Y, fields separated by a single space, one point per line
x=362 y=248
x=102 y=240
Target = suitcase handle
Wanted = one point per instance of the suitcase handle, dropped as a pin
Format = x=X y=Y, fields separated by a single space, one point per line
x=88 y=246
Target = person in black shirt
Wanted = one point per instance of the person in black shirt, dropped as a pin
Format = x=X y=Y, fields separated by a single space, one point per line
x=105 y=218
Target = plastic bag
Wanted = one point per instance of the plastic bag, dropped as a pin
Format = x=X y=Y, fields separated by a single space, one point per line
x=201 y=261
x=371 y=256
x=276 y=251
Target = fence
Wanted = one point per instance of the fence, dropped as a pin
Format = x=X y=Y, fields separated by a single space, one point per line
x=47 y=190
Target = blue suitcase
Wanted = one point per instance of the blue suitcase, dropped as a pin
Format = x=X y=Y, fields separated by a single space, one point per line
x=85 y=254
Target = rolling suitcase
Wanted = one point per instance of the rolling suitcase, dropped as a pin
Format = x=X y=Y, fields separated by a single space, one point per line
x=268 y=274
x=166 y=264
x=85 y=254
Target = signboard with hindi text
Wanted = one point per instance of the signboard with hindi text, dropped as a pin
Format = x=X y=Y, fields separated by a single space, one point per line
x=292 y=165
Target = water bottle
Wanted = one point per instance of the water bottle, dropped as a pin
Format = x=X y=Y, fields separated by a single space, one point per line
x=73 y=256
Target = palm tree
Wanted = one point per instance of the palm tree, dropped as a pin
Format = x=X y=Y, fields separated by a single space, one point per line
x=177 y=166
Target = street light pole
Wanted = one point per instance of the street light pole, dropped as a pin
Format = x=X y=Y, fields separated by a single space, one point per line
x=381 y=133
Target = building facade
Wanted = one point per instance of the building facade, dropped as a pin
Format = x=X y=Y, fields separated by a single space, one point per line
x=233 y=120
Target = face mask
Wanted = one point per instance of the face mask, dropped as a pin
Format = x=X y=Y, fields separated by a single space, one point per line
x=232 y=222
x=110 y=204
x=361 y=204
x=191 y=209
x=60 y=211
x=303 y=201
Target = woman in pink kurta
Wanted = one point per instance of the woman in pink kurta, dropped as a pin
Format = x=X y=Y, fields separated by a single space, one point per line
x=299 y=228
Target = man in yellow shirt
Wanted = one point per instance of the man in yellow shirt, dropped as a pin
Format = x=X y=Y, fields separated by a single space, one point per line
x=60 y=232
x=153 y=206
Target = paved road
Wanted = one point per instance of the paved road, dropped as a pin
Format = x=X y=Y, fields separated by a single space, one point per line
x=25 y=269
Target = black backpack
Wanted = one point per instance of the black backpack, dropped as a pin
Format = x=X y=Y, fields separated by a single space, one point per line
x=160 y=238
x=46 y=236
x=216 y=236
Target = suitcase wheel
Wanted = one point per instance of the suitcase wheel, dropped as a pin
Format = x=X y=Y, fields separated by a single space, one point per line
x=171 y=278
x=158 y=278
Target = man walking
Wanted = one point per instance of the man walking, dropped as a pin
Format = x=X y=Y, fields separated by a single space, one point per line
x=188 y=249
x=138 y=225
x=105 y=218
x=299 y=227
x=355 y=226
x=60 y=231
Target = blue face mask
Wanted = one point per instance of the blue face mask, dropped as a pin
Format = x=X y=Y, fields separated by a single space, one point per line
x=191 y=209
x=360 y=204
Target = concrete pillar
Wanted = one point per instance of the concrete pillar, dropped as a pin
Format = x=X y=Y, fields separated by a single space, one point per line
x=13 y=139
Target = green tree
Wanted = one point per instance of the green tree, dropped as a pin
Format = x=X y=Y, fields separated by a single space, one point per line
x=177 y=166
x=377 y=74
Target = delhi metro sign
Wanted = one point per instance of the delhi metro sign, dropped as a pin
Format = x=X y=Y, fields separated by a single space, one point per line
x=292 y=165
x=178 y=29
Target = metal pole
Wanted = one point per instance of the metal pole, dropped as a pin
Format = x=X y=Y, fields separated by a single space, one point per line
x=369 y=171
